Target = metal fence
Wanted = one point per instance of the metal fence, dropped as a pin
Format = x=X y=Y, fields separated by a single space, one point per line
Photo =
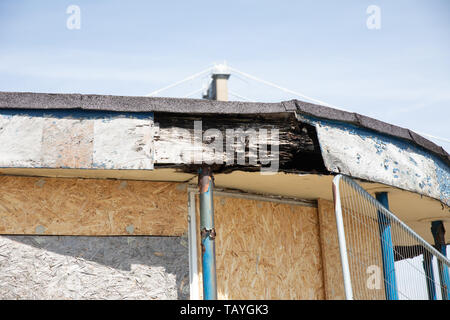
x=382 y=258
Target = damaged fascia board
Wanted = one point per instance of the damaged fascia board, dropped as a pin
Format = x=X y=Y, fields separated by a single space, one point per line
x=76 y=139
x=368 y=155
x=230 y=140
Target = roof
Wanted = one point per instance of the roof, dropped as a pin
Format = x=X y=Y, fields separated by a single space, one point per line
x=30 y=100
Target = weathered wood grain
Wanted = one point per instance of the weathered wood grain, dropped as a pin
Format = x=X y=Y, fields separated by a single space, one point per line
x=65 y=206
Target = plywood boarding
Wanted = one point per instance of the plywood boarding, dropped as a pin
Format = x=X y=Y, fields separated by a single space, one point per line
x=361 y=239
x=266 y=250
x=364 y=251
x=90 y=267
x=415 y=210
x=65 y=206
x=332 y=268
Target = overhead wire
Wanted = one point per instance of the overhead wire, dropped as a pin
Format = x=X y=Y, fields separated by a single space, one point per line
x=192 y=77
x=239 y=96
x=268 y=83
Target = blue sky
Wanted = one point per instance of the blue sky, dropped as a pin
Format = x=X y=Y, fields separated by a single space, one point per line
x=399 y=74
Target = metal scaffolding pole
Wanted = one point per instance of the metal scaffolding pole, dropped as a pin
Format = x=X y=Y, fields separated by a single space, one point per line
x=428 y=267
x=438 y=231
x=207 y=232
x=387 y=249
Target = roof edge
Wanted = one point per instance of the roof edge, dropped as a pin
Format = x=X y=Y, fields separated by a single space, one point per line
x=354 y=118
x=33 y=100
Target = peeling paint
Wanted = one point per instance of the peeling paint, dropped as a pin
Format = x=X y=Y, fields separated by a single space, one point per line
x=76 y=139
x=381 y=158
x=122 y=143
x=20 y=140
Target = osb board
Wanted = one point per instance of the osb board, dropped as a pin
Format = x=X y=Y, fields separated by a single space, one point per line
x=364 y=249
x=415 y=210
x=332 y=267
x=64 y=206
x=266 y=250
x=89 y=267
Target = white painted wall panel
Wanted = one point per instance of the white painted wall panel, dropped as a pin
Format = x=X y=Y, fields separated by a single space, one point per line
x=78 y=140
x=123 y=143
x=20 y=140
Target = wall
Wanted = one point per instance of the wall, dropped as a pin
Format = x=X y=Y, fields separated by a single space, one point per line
x=76 y=139
x=266 y=250
x=332 y=268
x=372 y=156
x=73 y=267
x=364 y=248
x=90 y=239
x=56 y=206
